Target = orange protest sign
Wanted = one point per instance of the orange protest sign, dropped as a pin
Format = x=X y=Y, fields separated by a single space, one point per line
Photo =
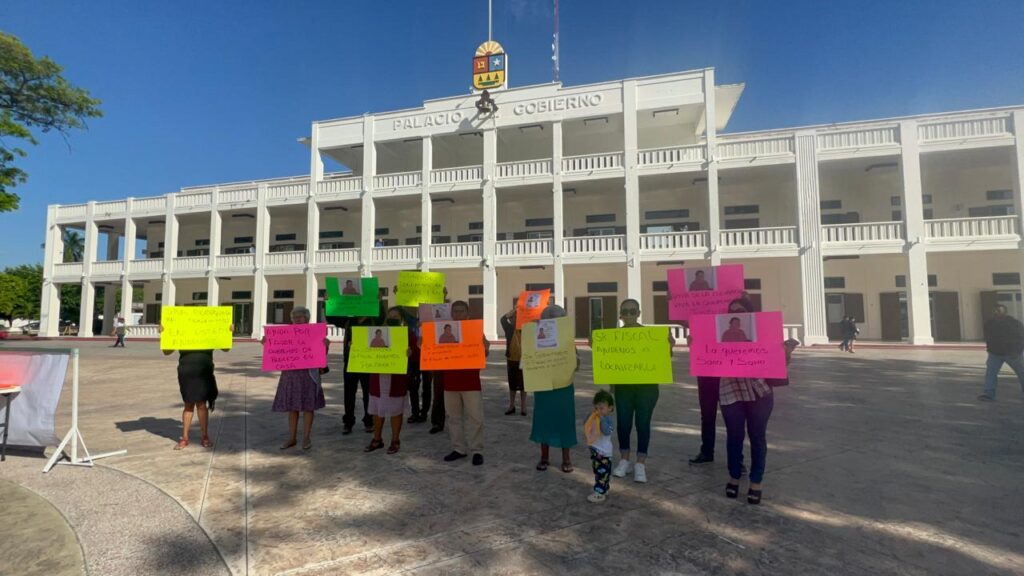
x=530 y=305
x=452 y=345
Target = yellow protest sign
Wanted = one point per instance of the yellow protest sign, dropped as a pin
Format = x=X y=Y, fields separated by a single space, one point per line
x=415 y=288
x=379 y=350
x=632 y=356
x=195 y=328
x=549 y=354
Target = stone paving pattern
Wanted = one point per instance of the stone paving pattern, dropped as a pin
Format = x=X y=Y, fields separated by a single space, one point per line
x=881 y=462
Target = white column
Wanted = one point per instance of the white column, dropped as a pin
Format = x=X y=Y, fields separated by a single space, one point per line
x=426 y=208
x=1018 y=171
x=216 y=231
x=634 y=278
x=558 y=213
x=367 y=236
x=49 y=305
x=316 y=174
x=918 y=307
x=259 y=289
x=170 y=252
x=812 y=270
x=711 y=141
x=490 y=232
x=88 y=289
x=129 y=254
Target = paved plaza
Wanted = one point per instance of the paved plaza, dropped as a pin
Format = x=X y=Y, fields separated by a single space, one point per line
x=881 y=462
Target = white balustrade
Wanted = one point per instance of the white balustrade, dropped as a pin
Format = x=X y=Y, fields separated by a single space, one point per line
x=237 y=195
x=396 y=253
x=961 y=129
x=147 y=266
x=592 y=162
x=694 y=240
x=750 y=148
x=531 y=247
x=115 y=207
x=861 y=138
x=236 y=261
x=191 y=263
x=65 y=269
x=748 y=237
x=155 y=204
x=674 y=155
x=340 y=185
x=456 y=251
x=290 y=190
x=285 y=259
x=524 y=168
x=398 y=180
x=456 y=175
x=793 y=332
x=334 y=257
x=192 y=200
x=107 y=268
x=72 y=211
x=592 y=244
x=143 y=331
x=862 y=232
x=992 y=226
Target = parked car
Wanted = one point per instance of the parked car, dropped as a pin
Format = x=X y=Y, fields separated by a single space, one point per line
x=30 y=329
x=5 y=332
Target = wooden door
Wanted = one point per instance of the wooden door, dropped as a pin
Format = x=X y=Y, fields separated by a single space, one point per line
x=889 y=306
x=945 y=310
x=661 y=309
x=609 y=312
x=476 y=308
x=581 y=310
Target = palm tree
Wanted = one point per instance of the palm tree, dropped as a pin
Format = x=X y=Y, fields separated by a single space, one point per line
x=74 y=245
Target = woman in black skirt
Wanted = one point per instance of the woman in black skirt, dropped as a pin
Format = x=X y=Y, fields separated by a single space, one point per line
x=198 y=387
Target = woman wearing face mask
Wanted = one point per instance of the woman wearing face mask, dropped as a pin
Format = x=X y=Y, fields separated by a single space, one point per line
x=389 y=394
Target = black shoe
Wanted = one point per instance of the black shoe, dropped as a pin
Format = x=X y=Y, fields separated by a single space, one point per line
x=702 y=459
x=413 y=419
x=347 y=429
x=732 y=490
x=510 y=411
x=453 y=456
x=478 y=459
x=437 y=429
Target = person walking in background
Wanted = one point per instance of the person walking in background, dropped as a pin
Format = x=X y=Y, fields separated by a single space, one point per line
x=513 y=354
x=1004 y=342
x=554 y=414
x=849 y=330
x=300 y=391
x=120 y=330
x=598 y=430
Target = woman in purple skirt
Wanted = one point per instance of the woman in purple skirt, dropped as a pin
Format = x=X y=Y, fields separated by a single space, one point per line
x=299 y=391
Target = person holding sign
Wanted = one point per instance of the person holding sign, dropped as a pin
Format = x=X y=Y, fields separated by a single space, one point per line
x=388 y=392
x=198 y=387
x=554 y=411
x=353 y=382
x=513 y=355
x=299 y=390
x=463 y=402
x=635 y=402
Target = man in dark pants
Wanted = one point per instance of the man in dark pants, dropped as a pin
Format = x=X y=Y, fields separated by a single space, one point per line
x=1004 y=342
x=353 y=381
x=707 y=393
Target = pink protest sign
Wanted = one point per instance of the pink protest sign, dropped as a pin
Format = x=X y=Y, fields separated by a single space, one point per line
x=741 y=345
x=294 y=346
x=703 y=290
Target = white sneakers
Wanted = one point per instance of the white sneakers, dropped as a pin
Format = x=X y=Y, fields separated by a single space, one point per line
x=622 y=468
x=640 y=473
x=596 y=498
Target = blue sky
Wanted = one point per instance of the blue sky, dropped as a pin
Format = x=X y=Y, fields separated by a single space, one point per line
x=199 y=92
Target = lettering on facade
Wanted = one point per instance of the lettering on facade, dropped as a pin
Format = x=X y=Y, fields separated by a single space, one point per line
x=558 y=104
x=439 y=119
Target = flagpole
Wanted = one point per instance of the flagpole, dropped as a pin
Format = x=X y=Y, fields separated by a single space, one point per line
x=488 y=20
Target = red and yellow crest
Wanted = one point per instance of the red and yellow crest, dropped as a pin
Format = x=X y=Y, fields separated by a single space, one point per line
x=489 y=66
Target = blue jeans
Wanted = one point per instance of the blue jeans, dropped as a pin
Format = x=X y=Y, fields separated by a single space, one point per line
x=992 y=366
x=747 y=418
x=635 y=400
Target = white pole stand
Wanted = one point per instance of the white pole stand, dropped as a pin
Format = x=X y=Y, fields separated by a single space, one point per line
x=74 y=435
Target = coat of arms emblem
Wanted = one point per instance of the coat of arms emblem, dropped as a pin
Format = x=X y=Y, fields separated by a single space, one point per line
x=489 y=66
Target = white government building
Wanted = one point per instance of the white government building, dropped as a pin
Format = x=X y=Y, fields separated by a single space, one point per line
x=911 y=225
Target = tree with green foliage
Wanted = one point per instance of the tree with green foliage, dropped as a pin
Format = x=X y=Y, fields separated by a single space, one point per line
x=12 y=296
x=74 y=246
x=33 y=94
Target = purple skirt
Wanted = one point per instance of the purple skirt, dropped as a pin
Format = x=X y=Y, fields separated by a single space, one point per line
x=298 y=392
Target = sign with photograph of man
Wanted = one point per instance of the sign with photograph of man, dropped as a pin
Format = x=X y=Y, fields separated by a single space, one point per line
x=452 y=345
x=703 y=290
x=379 y=350
x=745 y=345
x=549 y=354
x=352 y=296
x=529 y=306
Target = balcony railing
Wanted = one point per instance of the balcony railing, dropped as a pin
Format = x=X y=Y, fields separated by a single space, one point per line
x=592 y=162
x=336 y=257
x=524 y=169
x=239 y=195
x=456 y=175
x=191 y=263
x=963 y=129
x=236 y=260
x=670 y=241
x=115 y=207
x=753 y=237
x=285 y=259
x=147 y=266
x=594 y=244
x=992 y=226
x=144 y=331
x=291 y=190
x=157 y=204
x=456 y=251
x=72 y=211
x=863 y=138
x=66 y=269
x=862 y=232
x=192 y=200
x=751 y=148
x=107 y=268
x=396 y=253
x=531 y=247
x=398 y=180
x=339 y=185
x=674 y=155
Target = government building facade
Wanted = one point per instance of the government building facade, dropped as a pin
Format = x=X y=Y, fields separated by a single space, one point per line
x=911 y=225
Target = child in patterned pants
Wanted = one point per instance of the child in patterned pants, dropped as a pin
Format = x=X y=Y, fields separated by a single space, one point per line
x=598 y=430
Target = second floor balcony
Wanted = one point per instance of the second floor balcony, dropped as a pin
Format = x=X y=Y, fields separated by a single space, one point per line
x=862 y=238
x=948 y=234
x=756 y=242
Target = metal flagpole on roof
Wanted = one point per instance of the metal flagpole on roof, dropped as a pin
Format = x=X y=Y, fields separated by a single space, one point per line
x=488 y=20
x=554 y=47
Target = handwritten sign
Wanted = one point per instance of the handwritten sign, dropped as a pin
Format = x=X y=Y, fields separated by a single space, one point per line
x=415 y=288
x=549 y=354
x=530 y=305
x=632 y=356
x=294 y=346
x=435 y=312
x=379 y=350
x=353 y=296
x=195 y=328
x=703 y=290
x=452 y=345
x=738 y=345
